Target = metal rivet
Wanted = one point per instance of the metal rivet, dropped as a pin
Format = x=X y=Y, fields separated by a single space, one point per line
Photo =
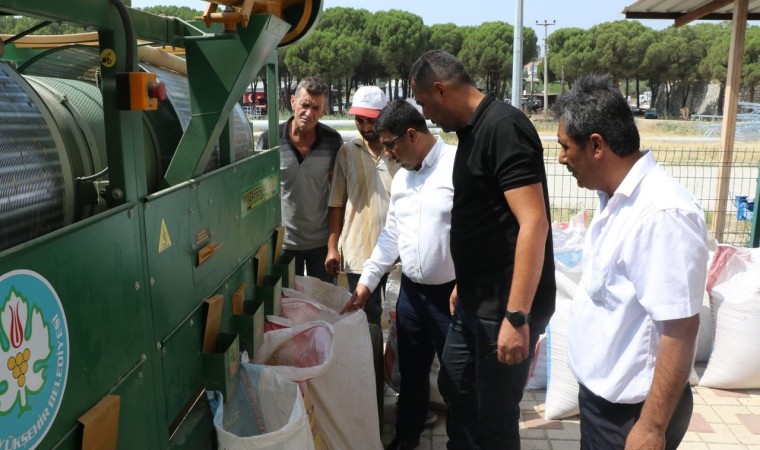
x=137 y=285
x=117 y=194
x=152 y=281
x=131 y=213
x=158 y=345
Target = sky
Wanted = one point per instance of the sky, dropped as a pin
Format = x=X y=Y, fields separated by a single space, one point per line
x=565 y=13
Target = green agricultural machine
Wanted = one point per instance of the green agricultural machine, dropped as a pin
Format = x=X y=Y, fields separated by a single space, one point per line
x=139 y=230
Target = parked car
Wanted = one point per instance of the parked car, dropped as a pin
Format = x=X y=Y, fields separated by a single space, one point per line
x=637 y=111
x=650 y=113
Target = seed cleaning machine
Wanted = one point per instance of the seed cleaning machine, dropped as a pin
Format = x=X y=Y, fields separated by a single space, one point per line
x=139 y=231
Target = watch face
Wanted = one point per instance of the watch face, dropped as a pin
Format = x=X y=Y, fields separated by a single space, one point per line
x=516 y=318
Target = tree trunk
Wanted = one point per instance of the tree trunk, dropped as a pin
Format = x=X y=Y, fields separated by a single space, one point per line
x=638 y=95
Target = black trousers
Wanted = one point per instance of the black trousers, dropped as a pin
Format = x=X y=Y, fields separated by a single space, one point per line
x=605 y=425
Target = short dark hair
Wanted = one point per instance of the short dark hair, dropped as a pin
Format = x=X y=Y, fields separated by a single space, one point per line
x=313 y=86
x=595 y=105
x=398 y=116
x=437 y=65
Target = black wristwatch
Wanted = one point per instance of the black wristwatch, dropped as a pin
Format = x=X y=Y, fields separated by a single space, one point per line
x=517 y=318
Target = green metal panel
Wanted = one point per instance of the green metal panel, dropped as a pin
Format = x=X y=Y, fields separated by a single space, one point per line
x=91 y=266
x=272 y=89
x=211 y=209
x=132 y=281
x=236 y=207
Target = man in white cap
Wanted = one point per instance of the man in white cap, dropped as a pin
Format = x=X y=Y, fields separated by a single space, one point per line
x=359 y=197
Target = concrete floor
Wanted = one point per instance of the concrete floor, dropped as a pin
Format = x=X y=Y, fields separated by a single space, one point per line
x=722 y=420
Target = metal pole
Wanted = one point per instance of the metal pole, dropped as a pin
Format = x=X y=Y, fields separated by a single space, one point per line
x=517 y=56
x=546 y=24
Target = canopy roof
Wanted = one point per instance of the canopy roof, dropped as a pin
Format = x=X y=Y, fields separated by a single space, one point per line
x=685 y=11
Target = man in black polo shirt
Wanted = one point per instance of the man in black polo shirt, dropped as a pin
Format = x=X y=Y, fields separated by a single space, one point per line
x=502 y=250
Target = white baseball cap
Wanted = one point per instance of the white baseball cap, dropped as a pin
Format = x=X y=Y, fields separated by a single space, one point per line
x=368 y=102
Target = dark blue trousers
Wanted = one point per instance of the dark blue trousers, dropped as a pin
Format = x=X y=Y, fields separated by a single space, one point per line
x=422 y=321
x=313 y=261
x=483 y=393
x=605 y=425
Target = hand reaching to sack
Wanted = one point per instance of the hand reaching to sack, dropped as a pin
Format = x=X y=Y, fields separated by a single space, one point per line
x=358 y=299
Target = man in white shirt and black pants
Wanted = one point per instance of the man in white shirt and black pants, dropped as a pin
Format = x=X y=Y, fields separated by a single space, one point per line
x=417 y=230
x=635 y=316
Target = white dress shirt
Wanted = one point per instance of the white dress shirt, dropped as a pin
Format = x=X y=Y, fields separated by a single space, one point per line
x=644 y=261
x=418 y=224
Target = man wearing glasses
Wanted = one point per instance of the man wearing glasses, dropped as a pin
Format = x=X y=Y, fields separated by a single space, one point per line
x=417 y=230
x=359 y=197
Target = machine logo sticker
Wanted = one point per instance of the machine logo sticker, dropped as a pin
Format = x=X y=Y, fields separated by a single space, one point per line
x=34 y=358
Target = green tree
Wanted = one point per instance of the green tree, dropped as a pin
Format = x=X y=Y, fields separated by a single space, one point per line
x=751 y=65
x=181 y=12
x=400 y=37
x=673 y=58
x=714 y=65
x=352 y=22
x=487 y=54
x=14 y=25
x=447 y=37
x=619 y=48
x=570 y=53
x=324 y=54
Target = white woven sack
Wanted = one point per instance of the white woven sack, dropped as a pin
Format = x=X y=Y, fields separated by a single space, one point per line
x=344 y=397
x=705 y=336
x=734 y=284
x=537 y=374
x=562 y=387
x=274 y=402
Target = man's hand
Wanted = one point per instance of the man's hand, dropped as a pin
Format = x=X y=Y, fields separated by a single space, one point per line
x=671 y=373
x=453 y=299
x=332 y=262
x=641 y=438
x=513 y=343
x=357 y=300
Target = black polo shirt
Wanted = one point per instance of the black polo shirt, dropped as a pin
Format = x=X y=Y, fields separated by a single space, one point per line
x=498 y=150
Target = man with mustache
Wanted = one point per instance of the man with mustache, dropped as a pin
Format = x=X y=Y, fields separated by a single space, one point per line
x=635 y=316
x=307 y=155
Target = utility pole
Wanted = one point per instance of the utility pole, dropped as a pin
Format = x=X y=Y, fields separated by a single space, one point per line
x=517 y=56
x=546 y=24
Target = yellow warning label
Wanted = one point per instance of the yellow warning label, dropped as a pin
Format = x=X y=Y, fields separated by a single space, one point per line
x=164 y=241
x=108 y=57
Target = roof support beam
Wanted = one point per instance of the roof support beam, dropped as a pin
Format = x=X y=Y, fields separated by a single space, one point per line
x=730 y=107
x=702 y=11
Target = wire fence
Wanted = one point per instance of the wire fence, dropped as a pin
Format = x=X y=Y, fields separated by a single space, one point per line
x=697 y=169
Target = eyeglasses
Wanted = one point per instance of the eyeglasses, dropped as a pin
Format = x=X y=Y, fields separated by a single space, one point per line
x=389 y=144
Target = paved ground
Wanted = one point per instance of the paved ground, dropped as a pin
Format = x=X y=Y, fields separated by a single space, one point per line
x=722 y=420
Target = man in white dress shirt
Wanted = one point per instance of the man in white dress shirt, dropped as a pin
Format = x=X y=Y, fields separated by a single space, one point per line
x=417 y=230
x=635 y=316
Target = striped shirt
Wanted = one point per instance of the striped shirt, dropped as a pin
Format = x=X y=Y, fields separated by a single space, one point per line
x=361 y=184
